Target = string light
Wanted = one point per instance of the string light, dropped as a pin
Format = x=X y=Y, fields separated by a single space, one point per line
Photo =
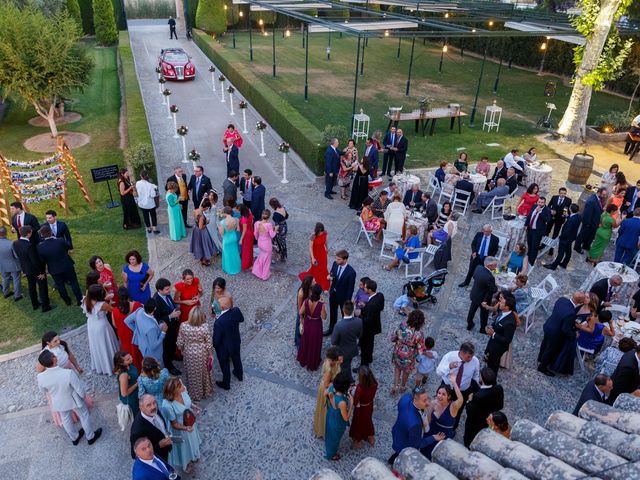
x=543 y=46
x=491 y=23
x=473 y=30
x=386 y=33
x=225 y=7
x=444 y=49
x=241 y=14
x=260 y=22
x=287 y=33
x=446 y=15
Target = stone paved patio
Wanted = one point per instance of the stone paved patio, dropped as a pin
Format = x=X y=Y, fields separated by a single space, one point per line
x=262 y=427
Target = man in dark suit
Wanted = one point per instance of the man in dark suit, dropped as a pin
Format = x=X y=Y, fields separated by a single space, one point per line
x=484 y=244
x=631 y=199
x=567 y=236
x=20 y=218
x=54 y=252
x=148 y=466
x=559 y=206
x=511 y=180
x=58 y=228
x=371 y=324
x=558 y=329
x=150 y=423
x=489 y=399
x=389 y=156
x=230 y=187
x=180 y=179
x=465 y=185
x=413 y=198
x=233 y=158
x=343 y=280
x=257 y=198
x=605 y=289
x=593 y=208
x=429 y=207
x=33 y=268
x=626 y=376
x=246 y=187
x=167 y=311
x=598 y=389
x=226 y=341
x=628 y=236
x=199 y=185
x=371 y=152
x=537 y=224
x=331 y=167
x=346 y=335
x=400 y=150
x=484 y=286
x=501 y=332
x=499 y=172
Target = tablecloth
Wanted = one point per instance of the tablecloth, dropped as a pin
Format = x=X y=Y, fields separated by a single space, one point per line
x=540 y=174
x=607 y=270
x=479 y=182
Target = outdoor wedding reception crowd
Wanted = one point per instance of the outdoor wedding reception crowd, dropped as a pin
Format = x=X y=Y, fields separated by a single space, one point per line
x=158 y=340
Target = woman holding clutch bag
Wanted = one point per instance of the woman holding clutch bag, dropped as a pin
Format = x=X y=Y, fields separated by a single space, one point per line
x=178 y=413
x=136 y=275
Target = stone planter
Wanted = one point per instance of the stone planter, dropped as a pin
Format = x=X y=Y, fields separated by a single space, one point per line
x=594 y=134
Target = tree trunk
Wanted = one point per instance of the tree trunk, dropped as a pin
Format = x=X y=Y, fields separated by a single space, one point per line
x=633 y=97
x=48 y=115
x=574 y=121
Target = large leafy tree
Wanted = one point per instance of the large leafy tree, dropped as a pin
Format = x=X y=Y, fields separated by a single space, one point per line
x=41 y=59
x=104 y=20
x=598 y=61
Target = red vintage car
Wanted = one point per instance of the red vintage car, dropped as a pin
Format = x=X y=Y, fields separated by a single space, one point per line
x=176 y=64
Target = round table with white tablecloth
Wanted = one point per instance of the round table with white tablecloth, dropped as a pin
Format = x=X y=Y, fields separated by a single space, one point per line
x=404 y=182
x=516 y=231
x=607 y=270
x=479 y=182
x=505 y=280
x=416 y=218
x=540 y=174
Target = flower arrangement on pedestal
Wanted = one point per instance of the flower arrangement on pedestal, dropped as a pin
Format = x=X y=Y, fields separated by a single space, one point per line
x=284 y=147
x=194 y=155
x=243 y=105
x=230 y=89
x=425 y=104
x=182 y=130
x=166 y=92
x=174 y=109
x=261 y=125
x=212 y=69
x=162 y=80
x=221 y=78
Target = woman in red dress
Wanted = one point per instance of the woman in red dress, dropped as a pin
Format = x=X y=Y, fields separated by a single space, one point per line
x=123 y=309
x=107 y=280
x=528 y=200
x=362 y=423
x=318 y=250
x=246 y=236
x=188 y=293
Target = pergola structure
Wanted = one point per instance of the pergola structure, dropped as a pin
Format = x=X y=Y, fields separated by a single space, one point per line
x=415 y=19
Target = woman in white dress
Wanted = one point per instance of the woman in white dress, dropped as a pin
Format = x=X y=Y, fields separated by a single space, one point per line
x=211 y=214
x=395 y=215
x=103 y=343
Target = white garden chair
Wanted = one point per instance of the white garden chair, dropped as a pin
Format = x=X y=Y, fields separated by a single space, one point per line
x=503 y=240
x=389 y=240
x=415 y=261
x=497 y=207
x=446 y=192
x=368 y=234
x=430 y=250
x=547 y=244
x=433 y=185
x=461 y=199
x=543 y=290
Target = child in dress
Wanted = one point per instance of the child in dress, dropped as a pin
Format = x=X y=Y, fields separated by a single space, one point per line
x=427 y=362
x=401 y=305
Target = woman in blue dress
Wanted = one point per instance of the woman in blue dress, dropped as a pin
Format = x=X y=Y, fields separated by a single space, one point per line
x=176 y=402
x=517 y=261
x=339 y=409
x=406 y=251
x=152 y=379
x=228 y=229
x=136 y=275
x=591 y=334
x=442 y=413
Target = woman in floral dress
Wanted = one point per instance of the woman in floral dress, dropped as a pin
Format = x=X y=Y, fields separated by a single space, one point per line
x=280 y=216
x=194 y=339
x=371 y=222
x=345 y=174
x=408 y=342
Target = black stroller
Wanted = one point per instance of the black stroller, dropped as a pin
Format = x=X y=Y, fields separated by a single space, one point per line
x=424 y=289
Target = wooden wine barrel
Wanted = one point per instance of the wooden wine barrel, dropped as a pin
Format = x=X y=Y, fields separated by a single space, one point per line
x=580 y=168
x=584 y=196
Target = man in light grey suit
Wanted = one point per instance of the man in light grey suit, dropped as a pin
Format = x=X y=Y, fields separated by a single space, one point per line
x=9 y=267
x=346 y=334
x=67 y=395
x=148 y=334
x=484 y=199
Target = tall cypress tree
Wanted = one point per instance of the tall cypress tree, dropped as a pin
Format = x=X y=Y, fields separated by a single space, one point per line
x=211 y=17
x=105 y=22
x=73 y=8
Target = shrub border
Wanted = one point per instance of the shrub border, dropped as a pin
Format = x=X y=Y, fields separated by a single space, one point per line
x=290 y=124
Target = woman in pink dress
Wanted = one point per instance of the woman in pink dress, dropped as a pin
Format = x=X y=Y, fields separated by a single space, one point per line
x=264 y=233
x=107 y=280
x=312 y=313
x=528 y=200
x=233 y=134
x=246 y=236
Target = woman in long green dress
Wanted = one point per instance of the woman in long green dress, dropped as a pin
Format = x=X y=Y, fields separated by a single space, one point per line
x=603 y=234
x=127 y=374
x=228 y=229
x=339 y=410
x=177 y=230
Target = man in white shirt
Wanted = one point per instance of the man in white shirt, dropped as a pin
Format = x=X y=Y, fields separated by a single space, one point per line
x=466 y=367
x=512 y=160
x=147 y=194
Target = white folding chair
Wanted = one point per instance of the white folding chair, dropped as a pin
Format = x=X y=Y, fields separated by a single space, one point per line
x=461 y=199
x=368 y=234
x=433 y=185
x=389 y=240
x=619 y=310
x=543 y=290
x=636 y=260
x=446 y=192
x=430 y=250
x=529 y=314
x=414 y=261
x=497 y=207
x=580 y=353
x=548 y=243
x=503 y=240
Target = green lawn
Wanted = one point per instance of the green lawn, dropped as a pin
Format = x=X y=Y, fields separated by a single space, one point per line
x=331 y=83
x=96 y=231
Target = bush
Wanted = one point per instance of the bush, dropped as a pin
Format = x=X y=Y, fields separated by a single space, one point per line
x=86 y=12
x=104 y=21
x=210 y=16
x=618 y=121
x=73 y=8
x=301 y=134
x=151 y=8
x=192 y=7
x=335 y=131
x=140 y=157
x=121 y=23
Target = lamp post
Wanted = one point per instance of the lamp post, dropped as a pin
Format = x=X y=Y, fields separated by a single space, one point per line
x=413 y=45
x=355 y=84
x=161 y=82
x=495 y=85
x=543 y=49
x=306 y=63
x=212 y=69
x=273 y=49
x=362 y=57
x=399 y=43
x=222 y=79
x=329 y=48
x=475 y=101
x=250 y=36
x=444 y=50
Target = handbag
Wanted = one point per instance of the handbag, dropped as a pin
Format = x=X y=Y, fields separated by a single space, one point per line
x=125 y=415
x=188 y=418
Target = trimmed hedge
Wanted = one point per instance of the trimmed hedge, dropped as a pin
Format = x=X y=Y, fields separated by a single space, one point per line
x=104 y=20
x=137 y=127
x=86 y=10
x=211 y=17
x=294 y=128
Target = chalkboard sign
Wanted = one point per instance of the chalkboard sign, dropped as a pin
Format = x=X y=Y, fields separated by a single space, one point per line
x=102 y=174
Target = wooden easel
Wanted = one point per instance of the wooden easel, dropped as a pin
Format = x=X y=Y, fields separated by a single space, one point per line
x=69 y=164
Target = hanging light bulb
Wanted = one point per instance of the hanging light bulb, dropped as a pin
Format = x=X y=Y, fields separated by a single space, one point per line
x=446 y=15
x=444 y=49
x=386 y=33
x=287 y=33
x=241 y=14
x=491 y=23
x=543 y=46
x=225 y=7
x=260 y=22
